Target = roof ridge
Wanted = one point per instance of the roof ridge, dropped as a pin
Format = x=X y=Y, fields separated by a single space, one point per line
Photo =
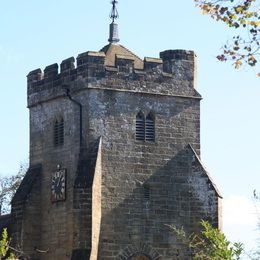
x=130 y=52
x=206 y=171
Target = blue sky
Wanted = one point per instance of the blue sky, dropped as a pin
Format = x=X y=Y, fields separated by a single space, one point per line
x=35 y=34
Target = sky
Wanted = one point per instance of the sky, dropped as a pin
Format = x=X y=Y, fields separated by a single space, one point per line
x=35 y=34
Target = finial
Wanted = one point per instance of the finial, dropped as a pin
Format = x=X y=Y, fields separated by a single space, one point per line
x=114 y=13
x=113 y=30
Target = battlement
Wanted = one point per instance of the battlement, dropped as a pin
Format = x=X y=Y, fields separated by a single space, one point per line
x=173 y=65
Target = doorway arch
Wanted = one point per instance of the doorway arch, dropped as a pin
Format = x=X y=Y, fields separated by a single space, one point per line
x=140 y=251
x=139 y=257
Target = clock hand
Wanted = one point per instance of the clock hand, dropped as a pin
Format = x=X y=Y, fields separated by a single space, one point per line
x=58 y=184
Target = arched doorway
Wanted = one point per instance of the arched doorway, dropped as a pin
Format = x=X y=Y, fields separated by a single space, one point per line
x=139 y=257
x=141 y=251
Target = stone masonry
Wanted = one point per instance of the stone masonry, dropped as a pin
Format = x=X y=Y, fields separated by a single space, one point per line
x=121 y=193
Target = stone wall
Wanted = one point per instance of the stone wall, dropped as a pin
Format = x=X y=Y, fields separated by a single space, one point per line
x=180 y=193
x=174 y=74
x=96 y=205
x=26 y=214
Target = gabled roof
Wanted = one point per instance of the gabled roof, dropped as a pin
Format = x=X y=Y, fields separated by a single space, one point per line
x=26 y=185
x=112 y=50
x=197 y=159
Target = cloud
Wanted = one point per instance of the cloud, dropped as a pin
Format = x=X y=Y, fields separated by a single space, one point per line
x=240 y=220
x=239 y=210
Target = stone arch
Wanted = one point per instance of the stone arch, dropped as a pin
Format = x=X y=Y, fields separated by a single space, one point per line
x=139 y=256
x=140 y=251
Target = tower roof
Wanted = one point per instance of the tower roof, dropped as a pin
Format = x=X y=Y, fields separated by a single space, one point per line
x=113 y=51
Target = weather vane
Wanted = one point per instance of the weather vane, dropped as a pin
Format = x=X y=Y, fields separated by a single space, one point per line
x=114 y=13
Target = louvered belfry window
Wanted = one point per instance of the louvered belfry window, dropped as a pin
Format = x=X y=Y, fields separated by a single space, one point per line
x=59 y=132
x=146 y=192
x=149 y=128
x=145 y=127
x=140 y=127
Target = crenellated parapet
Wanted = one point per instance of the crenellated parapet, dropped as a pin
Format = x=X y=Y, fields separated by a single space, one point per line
x=171 y=74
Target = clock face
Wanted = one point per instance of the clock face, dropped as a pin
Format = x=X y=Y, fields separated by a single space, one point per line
x=58 y=186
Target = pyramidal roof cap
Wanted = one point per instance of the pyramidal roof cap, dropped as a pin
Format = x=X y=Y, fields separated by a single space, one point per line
x=113 y=51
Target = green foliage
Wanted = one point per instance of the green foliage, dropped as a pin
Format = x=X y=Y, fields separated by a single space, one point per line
x=4 y=247
x=4 y=243
x=244 y=16
x=214 y=245
x=210 y=244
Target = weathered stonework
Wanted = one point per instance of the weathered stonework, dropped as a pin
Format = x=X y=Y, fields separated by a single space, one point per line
x=106 y=214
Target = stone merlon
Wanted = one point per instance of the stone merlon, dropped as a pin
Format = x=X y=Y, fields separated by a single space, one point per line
x=173 y=68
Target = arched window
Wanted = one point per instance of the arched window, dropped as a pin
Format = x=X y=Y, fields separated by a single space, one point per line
x=145 y=127
x=150 y=128
x=140 y=127
x=59 y=132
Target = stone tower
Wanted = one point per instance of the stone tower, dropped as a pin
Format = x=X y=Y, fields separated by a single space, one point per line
x=114 y=158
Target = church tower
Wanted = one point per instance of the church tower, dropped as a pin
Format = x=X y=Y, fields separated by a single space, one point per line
x=114 y=158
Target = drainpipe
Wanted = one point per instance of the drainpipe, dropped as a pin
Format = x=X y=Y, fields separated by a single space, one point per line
x=80 y=114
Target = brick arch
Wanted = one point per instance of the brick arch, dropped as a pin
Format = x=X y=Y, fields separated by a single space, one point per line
x=140 y=251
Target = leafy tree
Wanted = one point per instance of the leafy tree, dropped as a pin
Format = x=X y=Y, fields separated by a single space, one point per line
x=243 y=15
x=8 y=187
x=210 y=244
x=4 y=247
